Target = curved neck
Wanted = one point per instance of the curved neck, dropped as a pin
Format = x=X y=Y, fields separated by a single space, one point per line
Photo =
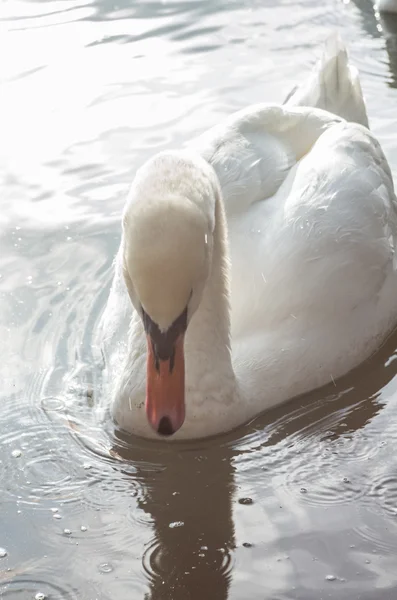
x=208 y=335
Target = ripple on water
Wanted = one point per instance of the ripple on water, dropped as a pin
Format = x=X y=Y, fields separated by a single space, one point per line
x=384 y=492
x=43 y=469
x=158 y=561
x=324 y=470
x=380 y=533
x=20 y=587
x=319 y=483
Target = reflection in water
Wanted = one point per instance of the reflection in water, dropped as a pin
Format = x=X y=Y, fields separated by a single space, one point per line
x=190 y=502
x=388 y=23
x=381 y=25
x=85 y=512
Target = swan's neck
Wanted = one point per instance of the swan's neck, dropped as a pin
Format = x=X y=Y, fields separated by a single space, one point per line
x=207 y=342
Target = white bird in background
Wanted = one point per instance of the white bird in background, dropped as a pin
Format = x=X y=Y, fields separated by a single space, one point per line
x=255 y=265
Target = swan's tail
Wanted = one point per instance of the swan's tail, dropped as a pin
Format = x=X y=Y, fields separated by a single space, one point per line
x=333 y=85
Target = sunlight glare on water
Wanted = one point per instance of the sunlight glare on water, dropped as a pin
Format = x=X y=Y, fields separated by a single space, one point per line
x=302 y=503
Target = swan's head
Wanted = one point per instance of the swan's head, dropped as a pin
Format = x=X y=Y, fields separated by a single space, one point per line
x=168 y=227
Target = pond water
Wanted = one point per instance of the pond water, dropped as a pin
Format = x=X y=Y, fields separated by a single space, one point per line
x=299 y=505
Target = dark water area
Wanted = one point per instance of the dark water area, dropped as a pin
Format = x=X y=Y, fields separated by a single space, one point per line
x=301 y=504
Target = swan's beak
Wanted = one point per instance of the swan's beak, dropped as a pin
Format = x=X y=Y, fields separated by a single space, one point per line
x=165 y=374
x=165 y=388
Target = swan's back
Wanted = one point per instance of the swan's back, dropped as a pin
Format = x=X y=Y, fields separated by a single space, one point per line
x=310 y=202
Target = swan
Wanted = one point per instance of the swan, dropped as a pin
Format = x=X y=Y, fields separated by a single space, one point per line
x=255 y=264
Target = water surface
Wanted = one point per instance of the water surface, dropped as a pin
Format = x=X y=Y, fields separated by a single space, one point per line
x=299 y=505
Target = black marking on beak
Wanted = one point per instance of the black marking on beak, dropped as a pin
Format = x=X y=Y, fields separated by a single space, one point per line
x=165 y=427
x=163 y=342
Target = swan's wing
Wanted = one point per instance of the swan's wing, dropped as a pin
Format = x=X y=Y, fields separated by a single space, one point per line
x=326 y=242
x=254 y=149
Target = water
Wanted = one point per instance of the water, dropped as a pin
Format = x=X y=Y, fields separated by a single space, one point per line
x=299 y=505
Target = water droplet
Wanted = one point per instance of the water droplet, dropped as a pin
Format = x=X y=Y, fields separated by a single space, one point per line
x=16 y=453
x=176 y=524
x=204 y=548
x=330 y=577
x=105 y=568
x=40 y=596
x=247 y=545
x=54 y=510
x=245 y=501
x=346 y=480
x=57 y=516
x=3 y=552
x=83 y=528
x=367 y=561
x=87 y=466
x=303 y=490
x=67 y=532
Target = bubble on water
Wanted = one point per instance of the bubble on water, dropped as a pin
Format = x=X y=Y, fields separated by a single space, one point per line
x=40 y=596
x=83 y=528
x=303 y=490
x=245 y=501
x=247 y=544
x=105 y=568
x=16 y=453
x=67 y=532
x=3 y=552
x=330 y=577
x=87 y=466
x=57 y=516
x=176 y=524
x=54 y=510
x=52 y=404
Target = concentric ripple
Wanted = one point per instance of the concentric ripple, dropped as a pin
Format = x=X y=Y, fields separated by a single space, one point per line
x=380 y=533
x=160 y=563
x=319 y=484
x=38 y=466
x=21 y=588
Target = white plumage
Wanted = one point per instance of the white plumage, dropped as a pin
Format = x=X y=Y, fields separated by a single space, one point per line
x=291 y=266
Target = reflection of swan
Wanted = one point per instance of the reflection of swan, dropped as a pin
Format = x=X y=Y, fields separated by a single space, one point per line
x=311 y=216
x=189 y=496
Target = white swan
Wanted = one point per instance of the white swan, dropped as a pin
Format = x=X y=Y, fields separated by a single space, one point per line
x=254 y=266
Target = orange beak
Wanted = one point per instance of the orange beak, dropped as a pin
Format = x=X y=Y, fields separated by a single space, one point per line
x=165 y=388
